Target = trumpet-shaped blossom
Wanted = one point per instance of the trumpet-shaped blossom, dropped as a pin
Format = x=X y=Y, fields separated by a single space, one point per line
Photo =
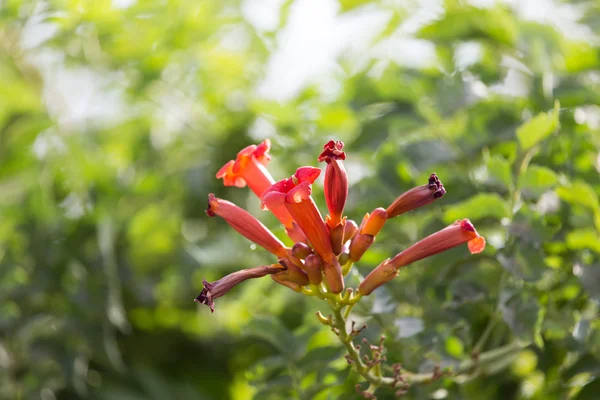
x=321 y=246
x=249 y=168
x=417 y=197
x=218 y=288
x=460 y=232
x=246 y=224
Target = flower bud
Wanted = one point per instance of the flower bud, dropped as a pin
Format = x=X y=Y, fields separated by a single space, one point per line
x=337 y=237
x=292 y=272
x=336 y=181
x=333 y=275
x=417 y=197
x=313 y=265
x=359 y=245
x=344 y=258
x=350 y=229
x=218 y=288
x=374 y=222
x=301 y=250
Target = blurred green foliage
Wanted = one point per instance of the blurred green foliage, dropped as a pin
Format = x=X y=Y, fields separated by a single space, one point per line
x=115 y=116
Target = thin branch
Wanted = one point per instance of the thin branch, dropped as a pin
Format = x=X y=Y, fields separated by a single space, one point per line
x=373 y=373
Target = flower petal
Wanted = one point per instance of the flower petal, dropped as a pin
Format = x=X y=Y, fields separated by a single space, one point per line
x=307 y=174
x=301 y=192
x=476 y=245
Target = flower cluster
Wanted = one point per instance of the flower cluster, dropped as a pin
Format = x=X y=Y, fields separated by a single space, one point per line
x=324 y=248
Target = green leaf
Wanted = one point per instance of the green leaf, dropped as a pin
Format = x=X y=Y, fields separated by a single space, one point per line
x=538 y=128
x=319 y=356
x=499 y=171
x=273 y=332
x=480 y=206
x=461 y=23
x=582 y=239
x=587 y=363
x=454 y=346
x=525 y=262
x=536 y=180
x=520 y=312
x=579 y=193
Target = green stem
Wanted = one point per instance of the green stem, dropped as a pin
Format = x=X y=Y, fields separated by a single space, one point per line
x=358 y=365
x=375 y=375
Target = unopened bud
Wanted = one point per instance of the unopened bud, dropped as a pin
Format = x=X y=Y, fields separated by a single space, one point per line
x=344 y=258
x=360 y=244
x=313 y=267
x=350 y=230
x=337 y=238
x=336 y=180
x=374 y=222
x=417 y=197
x=333 y=275
x=301 y=250
x=293 y=273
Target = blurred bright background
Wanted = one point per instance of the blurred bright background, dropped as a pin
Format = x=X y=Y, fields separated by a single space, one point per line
x=116 y=115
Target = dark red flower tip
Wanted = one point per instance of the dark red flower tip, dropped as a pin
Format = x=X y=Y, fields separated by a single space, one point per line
x=467 y=225
x=205 y=296
x=435 y=183
x=332 y=150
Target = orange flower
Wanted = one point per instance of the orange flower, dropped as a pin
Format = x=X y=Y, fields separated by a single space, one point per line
x=246 y=224
x=249 y=168
x=369 y=228
x=460 y=232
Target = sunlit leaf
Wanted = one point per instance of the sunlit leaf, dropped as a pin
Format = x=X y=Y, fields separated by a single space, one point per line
x=582 y=239
x=520 y=312
x=535 y=180
x=538 y=128
x=580 y=193
x=479 y=206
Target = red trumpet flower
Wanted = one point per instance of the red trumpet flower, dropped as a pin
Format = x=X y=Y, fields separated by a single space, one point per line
x=454 y=235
